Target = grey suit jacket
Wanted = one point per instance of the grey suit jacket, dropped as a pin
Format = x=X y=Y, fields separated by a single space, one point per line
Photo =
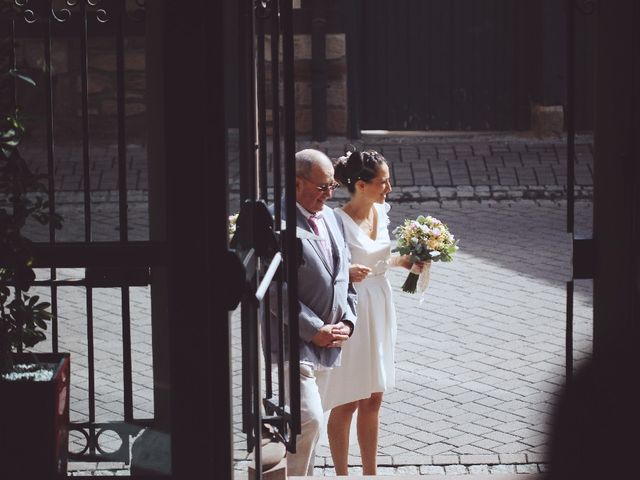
x=324 y=293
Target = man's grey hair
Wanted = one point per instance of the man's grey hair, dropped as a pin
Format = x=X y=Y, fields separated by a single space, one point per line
x=307 y=158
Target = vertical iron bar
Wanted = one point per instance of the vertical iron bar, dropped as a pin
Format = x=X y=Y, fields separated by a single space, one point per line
x=243 y=160
x=122 y=147
x=255 y=171
x=84 y=80
x=12 y=64
x=291 y=244
x=119 y=17
x=247 y=107
x=268 y=374
x=635 y=199
x=91 y=357
x=17 y=294
x=126 y=355
x=569 y=334
x=570 y=115
x=84 y=72
x=257 y=391
x=281 y=344
x=262 y=111
x=48 y=81
x=275 y=112
x=570 y=13
x=263 y=179
x=277 y=184
x=247 y=411
x=14 y=104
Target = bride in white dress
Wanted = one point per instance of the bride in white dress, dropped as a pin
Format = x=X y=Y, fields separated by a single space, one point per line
x=367 y=367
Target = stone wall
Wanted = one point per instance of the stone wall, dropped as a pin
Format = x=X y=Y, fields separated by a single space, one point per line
x=67 y=82
x=336 y=82
x=102 y=101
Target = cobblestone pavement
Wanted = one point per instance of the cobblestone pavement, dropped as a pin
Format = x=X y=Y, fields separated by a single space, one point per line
x=456 y=159
x=480 y=362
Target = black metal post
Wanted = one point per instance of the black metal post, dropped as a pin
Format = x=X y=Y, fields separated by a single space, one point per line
x=275 y=112
x=262 y=110
x=290 y=243
x=616 y=286
x=84 y=82
x=48 y=82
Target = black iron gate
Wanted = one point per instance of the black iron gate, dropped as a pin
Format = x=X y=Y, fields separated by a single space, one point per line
x=267 y=249
x=120 y=264
x=153 y=257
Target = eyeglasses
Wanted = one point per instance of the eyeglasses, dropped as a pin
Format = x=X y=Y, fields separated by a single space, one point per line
x=325 y=187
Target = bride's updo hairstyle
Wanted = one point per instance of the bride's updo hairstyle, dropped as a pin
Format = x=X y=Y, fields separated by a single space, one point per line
x=356 y=165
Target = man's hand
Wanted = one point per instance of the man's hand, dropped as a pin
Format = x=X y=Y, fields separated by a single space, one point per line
x=332 y=335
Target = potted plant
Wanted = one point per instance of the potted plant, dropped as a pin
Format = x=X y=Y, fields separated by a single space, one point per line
x=34 y=387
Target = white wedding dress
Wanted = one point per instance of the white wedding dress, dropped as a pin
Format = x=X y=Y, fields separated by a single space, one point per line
x=367 y=364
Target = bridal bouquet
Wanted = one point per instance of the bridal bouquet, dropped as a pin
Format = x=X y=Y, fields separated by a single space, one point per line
x=424 y=239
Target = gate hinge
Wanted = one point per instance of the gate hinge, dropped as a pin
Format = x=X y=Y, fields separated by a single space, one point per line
x=584 y=259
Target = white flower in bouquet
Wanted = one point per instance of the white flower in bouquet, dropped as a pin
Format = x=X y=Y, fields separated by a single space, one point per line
x=233 y=220
x=424 y=239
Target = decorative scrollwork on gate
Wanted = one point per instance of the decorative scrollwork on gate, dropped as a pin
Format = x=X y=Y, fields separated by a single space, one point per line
x=102 y=441
x=28 y=13
x=102 y=15
x=61 y=13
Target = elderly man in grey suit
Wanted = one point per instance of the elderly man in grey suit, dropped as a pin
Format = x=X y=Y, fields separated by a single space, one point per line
x=327 y=300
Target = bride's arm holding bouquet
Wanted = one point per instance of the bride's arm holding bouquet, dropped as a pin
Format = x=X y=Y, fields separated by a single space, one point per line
x=405 y=261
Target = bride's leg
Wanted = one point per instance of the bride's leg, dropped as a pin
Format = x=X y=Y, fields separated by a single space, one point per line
x=338 y=432
x=368 y=426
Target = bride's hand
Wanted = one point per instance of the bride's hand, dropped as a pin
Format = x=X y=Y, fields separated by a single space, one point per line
x=418 y=267
x=357 y=272
x=405 y=261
